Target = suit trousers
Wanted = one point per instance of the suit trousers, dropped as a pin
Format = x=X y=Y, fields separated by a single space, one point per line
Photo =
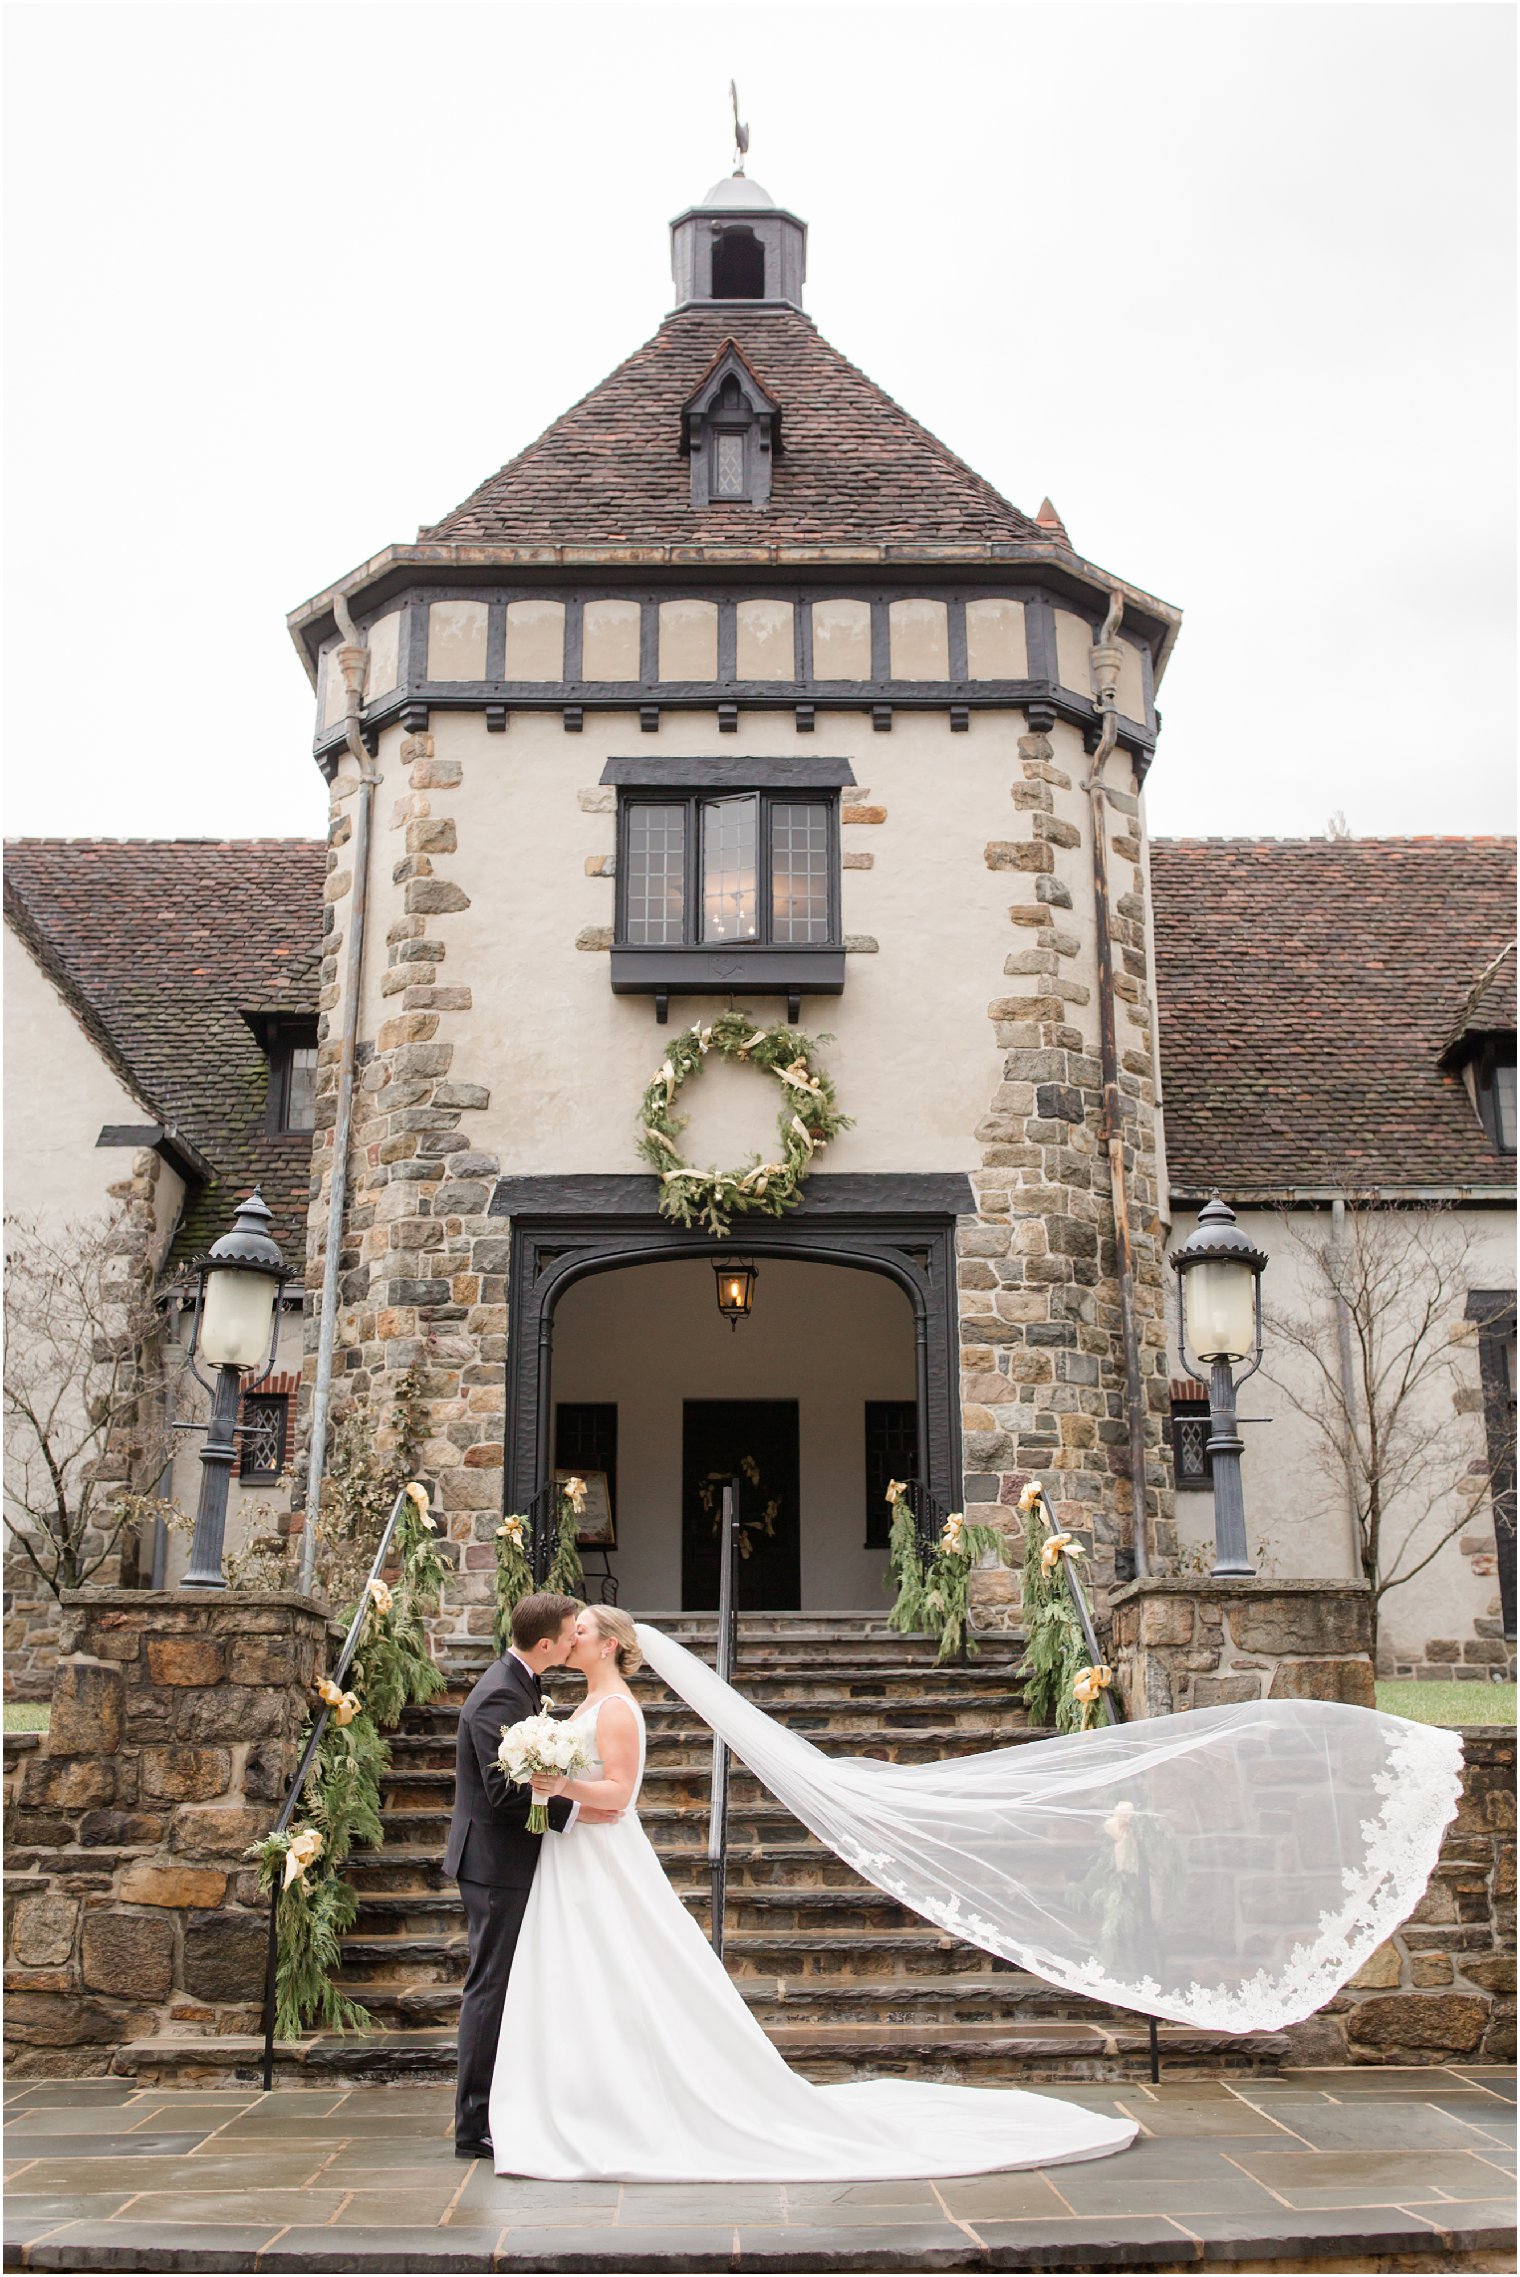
x=495 y=1916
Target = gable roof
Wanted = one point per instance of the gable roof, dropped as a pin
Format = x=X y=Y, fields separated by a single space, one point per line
x=856 y=469
x=160 y=946
x=1307 y=990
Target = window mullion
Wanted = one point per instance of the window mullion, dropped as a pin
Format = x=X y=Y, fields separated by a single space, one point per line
x=764 y=881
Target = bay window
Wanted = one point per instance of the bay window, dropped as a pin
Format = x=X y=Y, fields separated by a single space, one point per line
x=729 y=886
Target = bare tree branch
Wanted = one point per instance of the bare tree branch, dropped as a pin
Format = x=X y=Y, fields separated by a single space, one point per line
x=85 y=1413
x=1399 y=1436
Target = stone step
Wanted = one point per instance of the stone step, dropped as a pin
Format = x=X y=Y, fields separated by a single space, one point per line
x=790 y=1887
x=761 y=1631
x=775 y=1863
x=850 y=1729
x=783 y=1692
x=917 y=2006
x=418 y=1948
x=1013 y=2057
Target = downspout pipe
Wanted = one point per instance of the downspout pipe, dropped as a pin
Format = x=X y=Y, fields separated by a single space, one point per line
x=1348 y=1383
x=353 y=663
x=1107 y=658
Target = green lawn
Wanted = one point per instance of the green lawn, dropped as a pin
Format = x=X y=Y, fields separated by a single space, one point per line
x=1449 y=1703
x=26 y=1715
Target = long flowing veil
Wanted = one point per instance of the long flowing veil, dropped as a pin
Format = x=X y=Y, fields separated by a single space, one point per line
x=1228 y=1868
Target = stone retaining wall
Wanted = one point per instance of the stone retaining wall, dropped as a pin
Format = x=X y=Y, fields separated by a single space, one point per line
x=1442 y=1988
x=1181 y=1642
x=32 y=1621
x=132 y=1907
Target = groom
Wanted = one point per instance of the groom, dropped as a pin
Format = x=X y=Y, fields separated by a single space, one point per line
x=491 y=1854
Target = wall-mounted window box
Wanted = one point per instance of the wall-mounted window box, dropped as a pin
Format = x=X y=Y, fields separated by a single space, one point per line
x=728 y=877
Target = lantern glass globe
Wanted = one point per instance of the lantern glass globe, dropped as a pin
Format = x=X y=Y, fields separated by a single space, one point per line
x=236 y=1316
x=1219 y=1307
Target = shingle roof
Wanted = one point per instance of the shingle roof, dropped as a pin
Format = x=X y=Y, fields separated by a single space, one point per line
x=853 y=468
x=1308 y=988
x=166 y=942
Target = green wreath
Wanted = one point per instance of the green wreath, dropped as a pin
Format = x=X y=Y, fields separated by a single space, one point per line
x=808 y=1120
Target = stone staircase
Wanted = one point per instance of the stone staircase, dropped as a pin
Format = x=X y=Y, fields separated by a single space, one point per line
x=845 y=1981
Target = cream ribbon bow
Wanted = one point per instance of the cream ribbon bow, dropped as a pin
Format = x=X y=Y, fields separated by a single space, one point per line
x=305 y=1849
x=1050 y=1550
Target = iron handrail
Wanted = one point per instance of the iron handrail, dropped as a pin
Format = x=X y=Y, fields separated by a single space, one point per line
x=929 y=1515
x=728 y=1616
x=542 y=1515
x=1112 y=1712
x=302 y=1771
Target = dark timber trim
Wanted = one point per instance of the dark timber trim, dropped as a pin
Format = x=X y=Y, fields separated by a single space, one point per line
x=168 y=1144
x=956 y=585
x=805 y=772
x=564 y=1229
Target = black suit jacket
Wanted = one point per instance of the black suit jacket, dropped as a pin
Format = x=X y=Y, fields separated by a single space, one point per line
x=488 y=1837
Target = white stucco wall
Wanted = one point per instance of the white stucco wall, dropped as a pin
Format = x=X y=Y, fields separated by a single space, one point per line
x=912 y=1051
x=1297 y=1511
x=650 y=1337
x=59 y=1094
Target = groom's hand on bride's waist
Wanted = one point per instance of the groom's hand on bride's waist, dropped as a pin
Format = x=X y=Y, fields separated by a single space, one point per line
x=590 y=1817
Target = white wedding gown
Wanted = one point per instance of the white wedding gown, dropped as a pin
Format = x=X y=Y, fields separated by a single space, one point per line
x=626 y=2054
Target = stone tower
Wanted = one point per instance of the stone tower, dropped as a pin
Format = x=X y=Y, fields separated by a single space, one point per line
x=737 y=686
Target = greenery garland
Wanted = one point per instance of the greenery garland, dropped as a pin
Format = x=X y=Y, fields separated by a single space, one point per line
x=1061 y=1685
x=1139 y=1880
x=809 y=1119
x=302 y=1867
x=514 y=1570
x=934 y=1595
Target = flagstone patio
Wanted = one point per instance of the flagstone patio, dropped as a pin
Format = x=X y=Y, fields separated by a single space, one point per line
x=1355 y=2170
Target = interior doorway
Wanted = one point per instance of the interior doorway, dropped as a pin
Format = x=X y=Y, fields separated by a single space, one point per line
x=755 y=1441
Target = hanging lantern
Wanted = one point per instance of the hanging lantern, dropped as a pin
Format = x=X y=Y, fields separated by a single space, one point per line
x=736 y=1288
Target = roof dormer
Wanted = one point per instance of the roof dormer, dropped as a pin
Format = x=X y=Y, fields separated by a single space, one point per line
x=731 y=427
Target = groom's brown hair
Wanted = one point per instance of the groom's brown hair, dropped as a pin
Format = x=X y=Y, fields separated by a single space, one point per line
x=544 y=1615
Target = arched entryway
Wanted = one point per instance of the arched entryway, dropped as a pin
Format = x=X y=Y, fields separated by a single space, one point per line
x=654 y=1391
x=619 y=1362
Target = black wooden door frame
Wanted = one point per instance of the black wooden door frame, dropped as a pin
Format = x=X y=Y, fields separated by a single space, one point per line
x=563 y=1230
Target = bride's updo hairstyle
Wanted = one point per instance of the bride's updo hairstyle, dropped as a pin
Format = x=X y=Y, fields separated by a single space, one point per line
x=617 y=1627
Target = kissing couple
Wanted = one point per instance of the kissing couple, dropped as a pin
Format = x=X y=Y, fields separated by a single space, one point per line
x=1230 y=1867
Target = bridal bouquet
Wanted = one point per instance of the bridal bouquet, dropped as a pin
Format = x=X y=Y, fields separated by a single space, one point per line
x=540 y=1747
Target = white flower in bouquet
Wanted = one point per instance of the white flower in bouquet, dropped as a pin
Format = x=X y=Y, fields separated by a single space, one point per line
x=540 y=1748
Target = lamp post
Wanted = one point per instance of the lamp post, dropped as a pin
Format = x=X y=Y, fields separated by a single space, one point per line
x=736 y=1288
x=1219 y=1316
x=236 y=1328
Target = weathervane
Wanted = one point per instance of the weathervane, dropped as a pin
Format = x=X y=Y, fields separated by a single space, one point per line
x=741 y=131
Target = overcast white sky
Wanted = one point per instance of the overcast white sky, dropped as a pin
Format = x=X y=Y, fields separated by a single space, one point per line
x=1233 y=284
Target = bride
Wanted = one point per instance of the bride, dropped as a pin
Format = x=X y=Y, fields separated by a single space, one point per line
x=1228 y=1868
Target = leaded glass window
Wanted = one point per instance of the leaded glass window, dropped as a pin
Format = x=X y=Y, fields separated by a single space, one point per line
x=747 y=868
x=729 y=460
x=799 y=871
x=891 y=1452
x=1190 y=1439
x=301 y=1099
x=265 y=1420
x=656 y=899
x=729 y=880
x=292 y=1079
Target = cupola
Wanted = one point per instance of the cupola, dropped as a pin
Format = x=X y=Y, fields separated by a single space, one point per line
x=737 y=245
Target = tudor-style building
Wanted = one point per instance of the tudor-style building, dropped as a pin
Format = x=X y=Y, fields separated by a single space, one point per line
x=737 y=687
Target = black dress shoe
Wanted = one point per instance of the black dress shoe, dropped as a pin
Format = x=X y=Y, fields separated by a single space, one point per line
x=473 y=2150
